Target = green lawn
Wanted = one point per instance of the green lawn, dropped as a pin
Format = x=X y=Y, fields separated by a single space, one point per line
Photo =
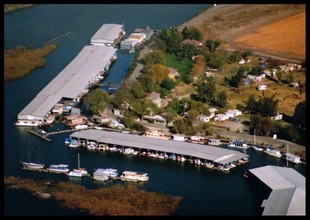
x=183 y=66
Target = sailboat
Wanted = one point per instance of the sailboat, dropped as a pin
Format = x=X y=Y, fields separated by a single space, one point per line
x=79 y=172
x=256 y=147
x=33 y=165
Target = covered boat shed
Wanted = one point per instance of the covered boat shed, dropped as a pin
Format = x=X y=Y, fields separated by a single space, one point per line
x=107 y=34
x=69 y=83
x=288 y=195
x=218 y=155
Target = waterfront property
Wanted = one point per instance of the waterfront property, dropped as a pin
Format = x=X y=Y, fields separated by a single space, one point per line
x=206 y=153
x=288 y=195
x=72 y=82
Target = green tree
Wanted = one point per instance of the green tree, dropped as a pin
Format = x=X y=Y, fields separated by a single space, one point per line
x=251 y=105
x=247 y=53
x=96 y=100
x=168 y=84
x=172 y=39
x=213 y=45
x=221 y=100
x=191 y=33
x=137 y=90
x=290 y=78
x=299 y=117
x=155 y=57
x=181 y=125
x=175 y=106
x=187 y=51
x=157 y=73
x=256 y=71
x=206 y=91
x=216 y=61
x=279 y=75
x=267 y=106
x=235 y=57
x=267 y=126
x=146 y=83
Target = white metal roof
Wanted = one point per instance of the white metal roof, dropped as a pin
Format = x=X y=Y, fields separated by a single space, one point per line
x=107 y=33
x=288 y=190
x=219 y=155
x=73 y=79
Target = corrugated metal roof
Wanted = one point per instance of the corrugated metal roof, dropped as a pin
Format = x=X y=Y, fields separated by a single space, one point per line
x=219 y=155
x=73 y=79
x=107 y=33
x=288 y=190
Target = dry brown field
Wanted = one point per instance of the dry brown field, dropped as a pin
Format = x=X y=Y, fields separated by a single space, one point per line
x=286 y=36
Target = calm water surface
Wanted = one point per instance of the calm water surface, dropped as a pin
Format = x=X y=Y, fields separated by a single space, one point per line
x=204 y=192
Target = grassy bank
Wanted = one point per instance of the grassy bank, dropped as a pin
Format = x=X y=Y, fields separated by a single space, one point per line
x=19 y=61
x=114 y=200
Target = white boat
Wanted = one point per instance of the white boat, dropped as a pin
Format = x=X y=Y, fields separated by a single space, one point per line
x=272 y=152
x=110 y=172
x=134 y=176
x=33 y=166
x=238 y=144
x=58 y=168
x=257 y=148
x=104 y=174
x=292 y=158
x=79 y=172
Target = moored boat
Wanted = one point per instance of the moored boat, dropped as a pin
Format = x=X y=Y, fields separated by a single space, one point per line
x=257 y=148
x=134 y=176
x=272 y=152
x=292 y=158
x=34 y=166
x=79 y=172
x=240 y=144
x=58 y=168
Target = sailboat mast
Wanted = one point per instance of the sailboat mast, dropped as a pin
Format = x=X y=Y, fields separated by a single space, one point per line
x=286 y=155
x=78 y=160
x=254 y=138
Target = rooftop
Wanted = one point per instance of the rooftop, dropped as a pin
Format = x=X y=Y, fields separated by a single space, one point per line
x=216 y=154
x=288 y=196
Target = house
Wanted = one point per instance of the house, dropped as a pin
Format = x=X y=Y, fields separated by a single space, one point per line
x=126 y=45
x=212 y=112
x=242 y=61
x=220 y=117
x=204 y=118
x=197 y=140
x=262 y=87
x=173 y=73
x=136 y=38
x=234 y=112
x=155 y=119
x=178 y=137
x=147 y=31
x=157 y=134
x=256 y=78
x=154 y=97
x=277 y=117
x=196 y=43
x=58 y=109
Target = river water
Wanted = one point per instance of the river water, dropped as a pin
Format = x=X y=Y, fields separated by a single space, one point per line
x=204 y=192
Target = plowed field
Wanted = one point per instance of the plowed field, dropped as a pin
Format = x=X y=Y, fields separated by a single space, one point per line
x=286 y=35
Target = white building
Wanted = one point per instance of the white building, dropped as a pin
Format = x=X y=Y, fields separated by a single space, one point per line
x=262 y=87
